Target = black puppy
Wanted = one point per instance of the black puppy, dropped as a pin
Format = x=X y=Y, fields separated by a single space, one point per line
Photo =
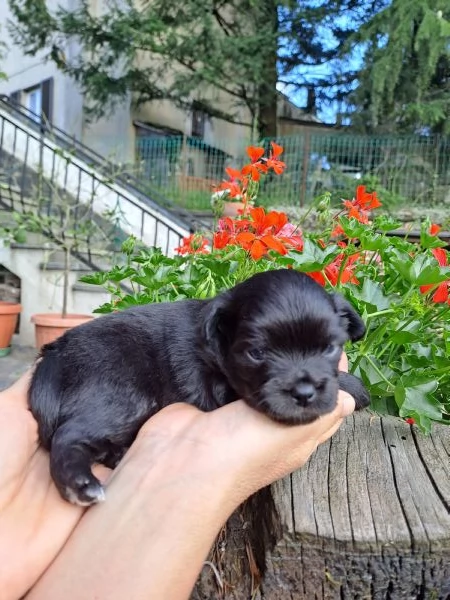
x=274 y=340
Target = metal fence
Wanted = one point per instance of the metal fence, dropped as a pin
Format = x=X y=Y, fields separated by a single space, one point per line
x=404 y=169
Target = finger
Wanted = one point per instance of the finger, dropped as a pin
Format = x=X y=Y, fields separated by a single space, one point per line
x=346 y=404
x=343 y=363
x=18 y=391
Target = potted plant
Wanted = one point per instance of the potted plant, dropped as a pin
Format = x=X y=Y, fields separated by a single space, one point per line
x=69 y=226
x=9 y=314
x=9 y=309
x=49 y=326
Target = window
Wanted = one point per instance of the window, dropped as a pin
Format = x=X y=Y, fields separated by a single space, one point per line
x=33 y=102
x=198 y=122
x=38 y=100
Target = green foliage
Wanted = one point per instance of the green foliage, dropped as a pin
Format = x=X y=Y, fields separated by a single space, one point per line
x=404 y=356
x=403 y=85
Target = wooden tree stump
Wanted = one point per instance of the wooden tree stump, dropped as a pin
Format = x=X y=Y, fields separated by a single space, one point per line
x=368 y=518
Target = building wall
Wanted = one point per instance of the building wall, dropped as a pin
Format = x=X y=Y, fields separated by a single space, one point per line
x=25 y=72
x=114 y=135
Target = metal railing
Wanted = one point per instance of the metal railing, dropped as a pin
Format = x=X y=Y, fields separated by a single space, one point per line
x=43 y=169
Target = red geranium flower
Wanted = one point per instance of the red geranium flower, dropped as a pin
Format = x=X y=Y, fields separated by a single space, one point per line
x=256 y=167
x=194 y=244
x=442 y=291
x=222 y=239
x=434 y=229
x=233 y=188
x=254 y=170
x=259 y=233
x=273 y=161
x=334 y=272
x=255 y=153
x=366 y=200
x=337 y=231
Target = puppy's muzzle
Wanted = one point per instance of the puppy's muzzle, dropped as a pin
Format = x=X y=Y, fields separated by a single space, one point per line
x=304 y=392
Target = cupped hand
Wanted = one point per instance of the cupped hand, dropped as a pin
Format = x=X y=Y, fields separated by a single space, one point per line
x=235 y=442
x=34 y=521
x=181 y=479
x=226 y=454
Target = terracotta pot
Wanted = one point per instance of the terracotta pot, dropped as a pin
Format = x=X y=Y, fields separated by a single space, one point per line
x=9 y=313
x=49 y=327
x=230 y=209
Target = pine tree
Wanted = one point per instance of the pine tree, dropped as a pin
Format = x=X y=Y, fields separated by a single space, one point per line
x=404 y=84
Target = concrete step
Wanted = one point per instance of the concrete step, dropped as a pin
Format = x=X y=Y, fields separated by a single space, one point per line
x=75 y=267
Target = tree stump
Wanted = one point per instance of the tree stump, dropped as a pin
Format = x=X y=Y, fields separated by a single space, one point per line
x=368 y=518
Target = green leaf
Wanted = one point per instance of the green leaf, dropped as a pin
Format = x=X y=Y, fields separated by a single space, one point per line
x=371 y=294
x=313 y=257
x=383 y=404
x=94 y=278
x=420 y=270
x=386 y=223
x=406 y=332
x=118 y=274
x=352 y=227
x=414 y=393
x=105 y=309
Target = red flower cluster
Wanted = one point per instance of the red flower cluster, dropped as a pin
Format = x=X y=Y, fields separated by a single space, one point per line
x=193 y=244
x=359 y=207
x=237 y=186
x=341 y=270
x=259 y=233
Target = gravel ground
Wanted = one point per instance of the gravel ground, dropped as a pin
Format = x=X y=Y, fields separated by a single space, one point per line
x=16 y=363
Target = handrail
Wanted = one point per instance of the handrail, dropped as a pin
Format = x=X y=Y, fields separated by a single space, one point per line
x=151 y=223
x=128 y=181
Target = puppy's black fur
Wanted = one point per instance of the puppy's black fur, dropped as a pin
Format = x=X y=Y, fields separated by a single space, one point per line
x=274 y=340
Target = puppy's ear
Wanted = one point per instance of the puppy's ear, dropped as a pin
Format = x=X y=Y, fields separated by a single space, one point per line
x=216 y=325
x=351 y=321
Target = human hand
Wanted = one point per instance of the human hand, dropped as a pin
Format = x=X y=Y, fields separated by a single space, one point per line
x=240 y=443
x=34 y=521
x=208 y=462
x=183 y=476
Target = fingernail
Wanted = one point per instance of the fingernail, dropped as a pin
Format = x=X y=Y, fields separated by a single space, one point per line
x=347 y=405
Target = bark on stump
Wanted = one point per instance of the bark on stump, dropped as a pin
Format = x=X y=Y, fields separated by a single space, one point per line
x=367 y=518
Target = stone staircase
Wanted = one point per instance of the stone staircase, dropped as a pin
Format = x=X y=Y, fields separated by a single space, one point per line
x=41 y=170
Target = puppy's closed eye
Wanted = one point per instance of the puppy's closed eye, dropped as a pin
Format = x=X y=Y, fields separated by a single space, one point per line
x=332 y=351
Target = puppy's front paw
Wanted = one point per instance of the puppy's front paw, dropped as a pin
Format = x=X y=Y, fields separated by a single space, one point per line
x=84 y=490
x=355 y=387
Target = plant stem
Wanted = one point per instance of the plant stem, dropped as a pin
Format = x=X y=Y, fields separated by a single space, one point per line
x=380 y=373
x=66 y=280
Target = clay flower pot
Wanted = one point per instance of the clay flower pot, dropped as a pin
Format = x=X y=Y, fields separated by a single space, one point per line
x=231 y=209
x=9 y=313
x=49 y=327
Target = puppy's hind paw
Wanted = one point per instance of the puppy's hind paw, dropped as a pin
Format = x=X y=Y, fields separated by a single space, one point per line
x=355 y=387
x=84 y=491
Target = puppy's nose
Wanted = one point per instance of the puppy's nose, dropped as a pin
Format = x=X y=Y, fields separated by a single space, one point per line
x=303 y=392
